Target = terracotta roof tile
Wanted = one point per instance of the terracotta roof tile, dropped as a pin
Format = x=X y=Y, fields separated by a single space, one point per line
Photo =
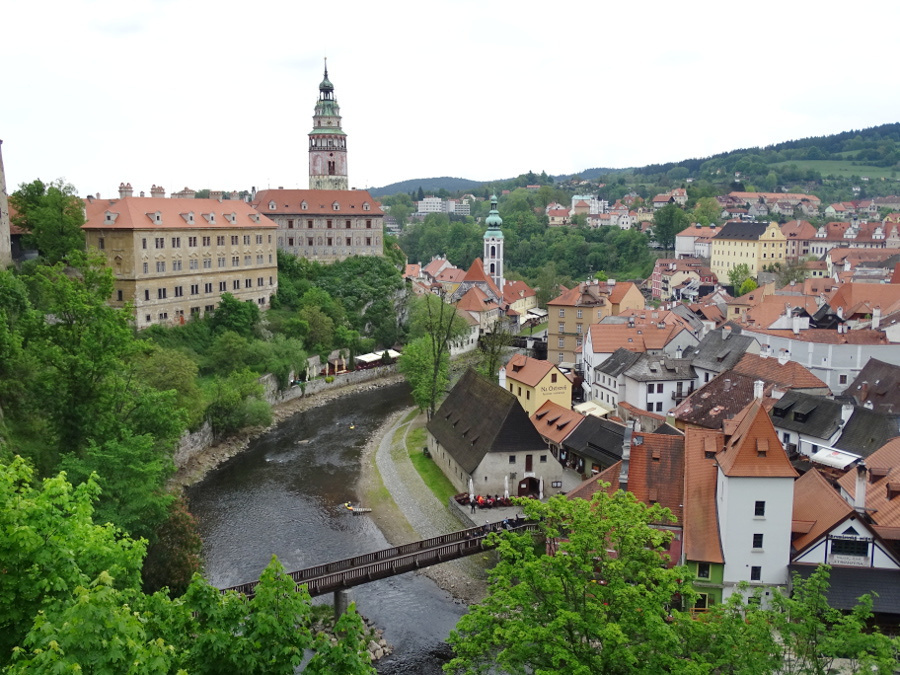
x=318 y=202
x=140 y=213
x=754 y=449
x=701 y=520
x=527 y=370
x=884 y=470
x=820 y=505
x=789 y=375
x=554 y=422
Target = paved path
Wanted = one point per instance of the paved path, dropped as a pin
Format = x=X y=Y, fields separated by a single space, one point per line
x=427 y=516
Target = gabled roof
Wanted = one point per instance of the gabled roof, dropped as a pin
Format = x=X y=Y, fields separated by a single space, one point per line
x=701 y=519
x=718 y=400
x=450 y=275
x=607 y=338
x=618 y=362
x=598 y=439
x=743 y=230
x=877 y=383
x=554 y=422
x=861 y=298
x=754 y=449
x=807 y=414
x=435 y=266
x=884 y=471
x=867 y=430
x=477 y=418
x=789 y=375
x=528 y=371
x=516 y=290
x=655 y=473
x=798 y=229
x=818 y=504
x=649 y=367
x=721 y=349
x=476 y=300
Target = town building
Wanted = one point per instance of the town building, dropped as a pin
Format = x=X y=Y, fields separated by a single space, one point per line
x=533 y=382
x=174 y=258
x=756 y=245
x=324 y=225
x=572 y=312
x=485 y=443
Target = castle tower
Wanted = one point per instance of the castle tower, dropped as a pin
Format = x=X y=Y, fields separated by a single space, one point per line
x=5 y=243
x=327 y=142
x=493 y=246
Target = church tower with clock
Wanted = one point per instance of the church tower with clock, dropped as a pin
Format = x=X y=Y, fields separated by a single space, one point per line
x=327 y=142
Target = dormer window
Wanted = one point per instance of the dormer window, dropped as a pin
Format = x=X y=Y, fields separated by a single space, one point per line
x=111 y=217
x=157 y=217
x=188 y=217
x=304 y=205
x=231 y=217
x=271 y=206
x=336 y=206
x=210 y=218
x=365 y=206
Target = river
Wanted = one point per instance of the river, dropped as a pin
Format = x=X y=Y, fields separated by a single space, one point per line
x=283 y=495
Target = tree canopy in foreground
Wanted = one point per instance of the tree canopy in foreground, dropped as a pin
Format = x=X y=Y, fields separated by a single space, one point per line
x=599 y=598
x=70 y=601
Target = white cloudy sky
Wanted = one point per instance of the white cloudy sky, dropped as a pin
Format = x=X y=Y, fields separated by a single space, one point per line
x=221 y=94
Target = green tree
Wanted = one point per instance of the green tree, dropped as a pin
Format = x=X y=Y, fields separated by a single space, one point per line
x=597 y=599
x=491 y=348
x=426 y=378
x=747 y=286
x=236 y=401
x=737 y=275
x=814 y=635
x=667 y=222
x=235 y=315
x=52 y=216
x=707 y=211
x=50 y=546
x=793 y=271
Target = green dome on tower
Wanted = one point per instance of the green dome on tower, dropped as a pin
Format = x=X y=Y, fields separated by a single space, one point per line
x=494 y=222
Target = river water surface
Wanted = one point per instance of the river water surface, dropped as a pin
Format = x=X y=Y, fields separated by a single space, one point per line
x=283 y=495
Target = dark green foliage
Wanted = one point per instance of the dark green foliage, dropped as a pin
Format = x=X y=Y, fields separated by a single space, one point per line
x=52 y=215
x=235 y=401
x=234 y=315
x=174 y=555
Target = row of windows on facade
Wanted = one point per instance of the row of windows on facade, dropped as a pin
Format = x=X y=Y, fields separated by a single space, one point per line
x=194 y=264
x=329 y=241
x=160 y=242
x=336 y=206
x=579 y=327
x=579 y=314
x=178 y=291
x=195 y=311
x=561 y=342
x=329 y=224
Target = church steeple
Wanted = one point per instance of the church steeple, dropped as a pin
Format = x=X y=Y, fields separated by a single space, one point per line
x=327 y=142
x=493 y=246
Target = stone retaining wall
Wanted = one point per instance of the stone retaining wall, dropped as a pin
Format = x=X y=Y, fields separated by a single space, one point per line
x=192 y=443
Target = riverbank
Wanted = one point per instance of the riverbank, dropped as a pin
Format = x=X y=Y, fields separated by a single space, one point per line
x=209 y=458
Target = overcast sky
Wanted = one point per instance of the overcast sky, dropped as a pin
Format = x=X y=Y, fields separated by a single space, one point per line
x=221 y=94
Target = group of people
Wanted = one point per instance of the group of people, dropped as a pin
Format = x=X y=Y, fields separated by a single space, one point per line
x=488 y=501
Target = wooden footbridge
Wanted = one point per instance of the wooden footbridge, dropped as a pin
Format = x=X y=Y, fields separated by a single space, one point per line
x=343 y=574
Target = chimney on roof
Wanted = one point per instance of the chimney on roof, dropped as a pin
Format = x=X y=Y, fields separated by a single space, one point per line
x=157 y=191
x=795 y=325
x=758 y=388
x=783 y=356
x=726 y=332
x=626 y=456
x=876 y=317
x=678 y=352
x=846 y=413
x=125 y=190
x=859 y=500
x=142 y=193
x=216 y=194
x=727 y=384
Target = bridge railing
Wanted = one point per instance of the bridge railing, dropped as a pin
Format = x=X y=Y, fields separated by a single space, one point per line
x=361 y=569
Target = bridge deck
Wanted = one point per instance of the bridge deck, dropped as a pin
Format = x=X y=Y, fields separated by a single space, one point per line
x=334 y=576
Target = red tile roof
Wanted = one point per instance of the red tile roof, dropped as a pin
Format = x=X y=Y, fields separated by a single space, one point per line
x=754 y=449
x=701 y=521
x=318 y=202
x=528 y=371
x=818 y=505
x=554 y=422
x=884 y=481
x=476 y=300
x=139 y=213
x=790 y=375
